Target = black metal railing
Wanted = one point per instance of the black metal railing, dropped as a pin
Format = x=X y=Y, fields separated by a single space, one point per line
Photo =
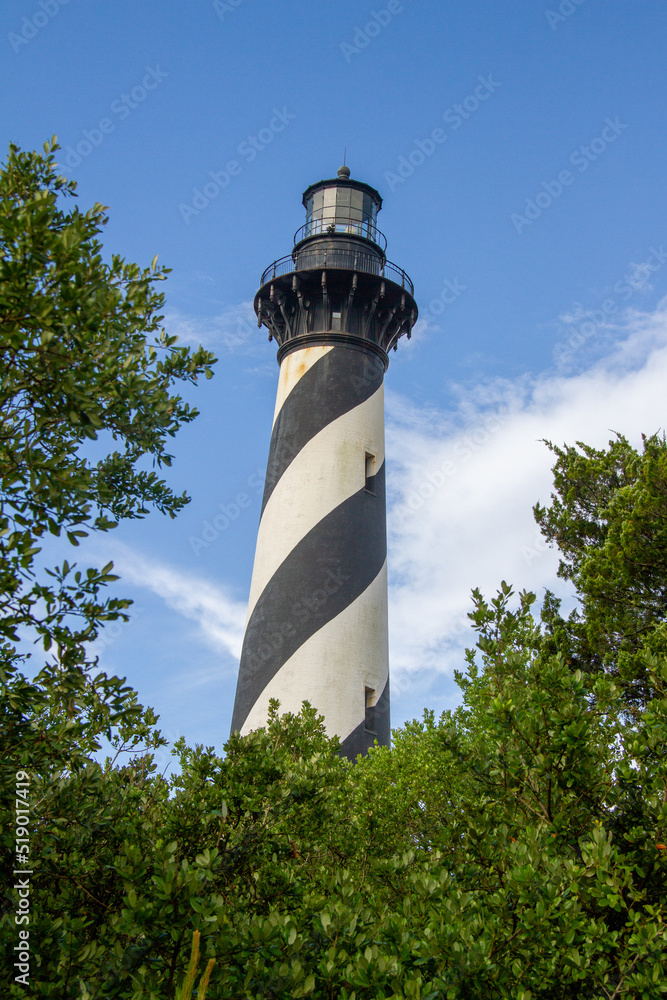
x=333 y=224
x=309 y=259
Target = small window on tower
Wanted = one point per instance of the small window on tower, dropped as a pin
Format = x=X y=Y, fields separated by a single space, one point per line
x=335 y=320
x=369 y=485
x=369 y=723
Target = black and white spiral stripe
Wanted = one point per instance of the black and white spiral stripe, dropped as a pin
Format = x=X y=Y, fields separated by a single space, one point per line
x=317 y=616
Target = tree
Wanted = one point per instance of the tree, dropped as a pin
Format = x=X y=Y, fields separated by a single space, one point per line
x=608 y=517
x=79 y=377
x=86 y=404
x=531 y=863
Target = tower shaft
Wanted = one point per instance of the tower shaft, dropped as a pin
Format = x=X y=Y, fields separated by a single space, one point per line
x=317 y=616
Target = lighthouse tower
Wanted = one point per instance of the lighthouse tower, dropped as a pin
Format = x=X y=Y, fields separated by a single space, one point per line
x=317 y=617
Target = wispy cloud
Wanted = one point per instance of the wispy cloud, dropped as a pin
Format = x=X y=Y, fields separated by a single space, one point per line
x=219 y=618
x=232 y=330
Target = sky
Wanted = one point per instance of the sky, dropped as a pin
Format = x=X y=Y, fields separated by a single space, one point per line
x=520 y=152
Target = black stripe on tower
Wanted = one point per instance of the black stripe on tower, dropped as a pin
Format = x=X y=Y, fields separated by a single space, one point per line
x=340 y=380
x=328 y=569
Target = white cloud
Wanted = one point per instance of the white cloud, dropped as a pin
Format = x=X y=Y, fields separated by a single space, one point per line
x=220 y=619
x=463 y=484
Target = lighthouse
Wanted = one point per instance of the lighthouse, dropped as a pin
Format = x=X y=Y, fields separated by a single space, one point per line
x=316 y=629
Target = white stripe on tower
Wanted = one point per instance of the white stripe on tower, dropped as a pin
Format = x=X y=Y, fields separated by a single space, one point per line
x=317 y=619
x=327 y=471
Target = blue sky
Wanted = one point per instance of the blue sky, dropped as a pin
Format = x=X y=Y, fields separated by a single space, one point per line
x=520 y=152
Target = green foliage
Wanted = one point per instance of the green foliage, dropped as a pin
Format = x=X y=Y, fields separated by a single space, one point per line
x=79 y=376
x=86 y=408
x=513 y=849
x=608 y=518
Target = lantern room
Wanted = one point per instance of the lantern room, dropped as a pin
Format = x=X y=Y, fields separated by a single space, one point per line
x=342 y=206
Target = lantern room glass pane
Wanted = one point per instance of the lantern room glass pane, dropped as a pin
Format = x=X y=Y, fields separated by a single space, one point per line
x=315 y=212
x=357 y=206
